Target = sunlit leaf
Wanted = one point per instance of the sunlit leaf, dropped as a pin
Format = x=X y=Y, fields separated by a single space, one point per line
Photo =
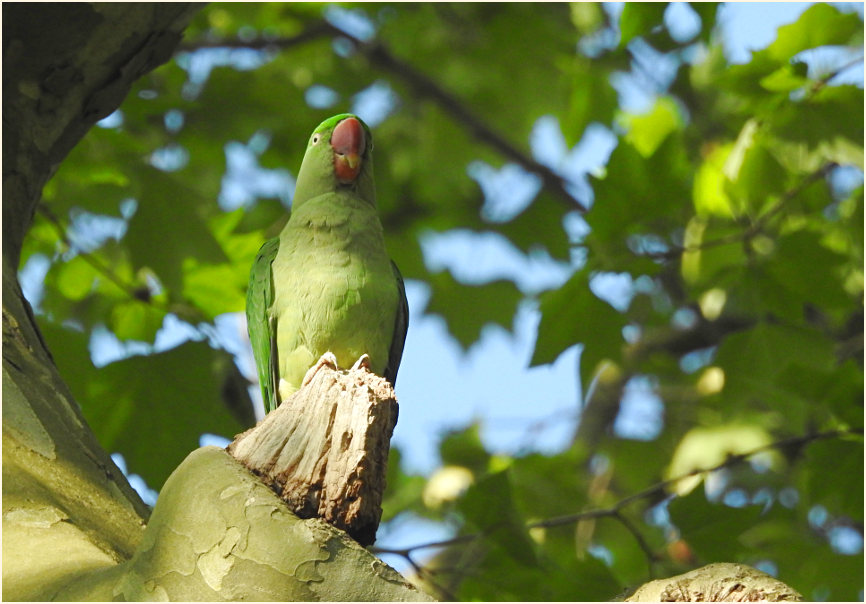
x=647 y=131
x=136 y=320
x=75 y=278
x=706 y=448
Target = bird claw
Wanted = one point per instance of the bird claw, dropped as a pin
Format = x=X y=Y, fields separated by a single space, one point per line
x=327 y=359
x=363 y=361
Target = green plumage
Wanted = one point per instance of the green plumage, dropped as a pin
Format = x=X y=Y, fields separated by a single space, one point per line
x=326 y=283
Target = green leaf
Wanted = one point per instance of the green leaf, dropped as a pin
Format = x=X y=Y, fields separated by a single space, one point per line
x=752 y=359
x=75 y=278
x=638 y=196
x=830 y=397
x=587 y=17
x=753 y=174
x=154 y=408
x=464 y=448
x=842 y=393
x=647 y=131
x=639 y=18
x=540 y=226
x=819 y=25
x=546 y=486
x=592 y=99
x=506 y=562
x=489 y=506
x=829 y=121
x=834 y=476
x=265 y=214
x=136 y=320
x=168 y=228
x=708 y=193
x=403 y=491
x=712 y=530
x=216 y=289
x=809 y=271
x=786 y=79
x=703 y=448
x=803 y=557
x=468 y=308
x=69 y=349
x=574 y=315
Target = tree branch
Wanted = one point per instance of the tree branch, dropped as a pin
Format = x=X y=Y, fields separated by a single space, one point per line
x=615 y=510
x=753 y=229
x=140 y=294
x=825 y=79
x=421 y=85
x=317 y=30
x=130 y=290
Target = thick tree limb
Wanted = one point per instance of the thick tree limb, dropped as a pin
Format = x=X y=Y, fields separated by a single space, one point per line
x=218 y=533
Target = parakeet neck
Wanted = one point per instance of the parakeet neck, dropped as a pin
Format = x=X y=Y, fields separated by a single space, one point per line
x=316 y=177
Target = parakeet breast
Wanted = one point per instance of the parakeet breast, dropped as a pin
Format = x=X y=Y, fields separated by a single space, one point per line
x=334 y=287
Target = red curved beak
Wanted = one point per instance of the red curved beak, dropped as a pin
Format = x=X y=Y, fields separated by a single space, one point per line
x=348 y=144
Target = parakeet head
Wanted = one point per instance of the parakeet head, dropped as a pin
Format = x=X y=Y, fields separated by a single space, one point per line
x=339 y=156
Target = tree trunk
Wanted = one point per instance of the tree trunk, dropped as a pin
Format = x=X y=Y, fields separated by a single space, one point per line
x=72 y=526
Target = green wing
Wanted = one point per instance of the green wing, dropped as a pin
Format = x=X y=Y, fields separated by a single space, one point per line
x=401 y=324
x=260 y=325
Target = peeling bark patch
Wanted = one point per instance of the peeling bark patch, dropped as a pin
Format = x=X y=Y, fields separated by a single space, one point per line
x=22 y=423
x=41 y=517
x=215 y=564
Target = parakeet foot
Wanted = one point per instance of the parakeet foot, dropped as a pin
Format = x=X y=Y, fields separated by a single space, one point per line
x=326 y=359
x=286 y=390
x=363 y=361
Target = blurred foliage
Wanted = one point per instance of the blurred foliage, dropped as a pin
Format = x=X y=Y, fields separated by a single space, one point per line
x=728 y=202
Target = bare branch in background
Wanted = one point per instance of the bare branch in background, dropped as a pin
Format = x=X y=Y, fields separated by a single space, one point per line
x=421 y=85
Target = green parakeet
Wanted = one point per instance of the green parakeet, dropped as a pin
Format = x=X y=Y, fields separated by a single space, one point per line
x=326 y=283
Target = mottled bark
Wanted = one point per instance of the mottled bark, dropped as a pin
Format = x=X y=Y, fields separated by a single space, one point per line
x=721 y=582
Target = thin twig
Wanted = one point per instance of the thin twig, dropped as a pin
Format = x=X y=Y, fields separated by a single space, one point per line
x=753 y=229
x=825 y=79
x=424 y=86
x=97 y=264
x=616 y=509
x=186 y=310
x=651 y=556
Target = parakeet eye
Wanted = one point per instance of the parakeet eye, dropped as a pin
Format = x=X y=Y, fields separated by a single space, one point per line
x=315 y=139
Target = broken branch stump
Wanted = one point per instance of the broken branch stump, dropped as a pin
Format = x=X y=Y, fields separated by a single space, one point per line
x=324 y=450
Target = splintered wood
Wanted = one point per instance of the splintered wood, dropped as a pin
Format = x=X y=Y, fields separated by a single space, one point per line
x=325 y=449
